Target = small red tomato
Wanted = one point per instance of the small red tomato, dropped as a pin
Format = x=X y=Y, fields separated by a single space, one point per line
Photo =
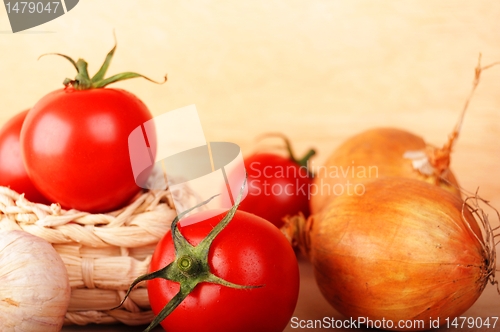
x=248 y=251
x=277 y=186
x=12 y=171
x=75 y=147
x=75 y=141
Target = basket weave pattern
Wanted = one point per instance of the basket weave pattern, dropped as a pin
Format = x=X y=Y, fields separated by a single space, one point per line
x=103 y=253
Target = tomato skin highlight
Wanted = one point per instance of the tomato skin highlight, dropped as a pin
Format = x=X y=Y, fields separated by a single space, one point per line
x=12 y=171
x=249 y=251
x=277 y=187
x=75 y=146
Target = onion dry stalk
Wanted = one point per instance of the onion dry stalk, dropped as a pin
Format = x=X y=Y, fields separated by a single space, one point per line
x=394 y=152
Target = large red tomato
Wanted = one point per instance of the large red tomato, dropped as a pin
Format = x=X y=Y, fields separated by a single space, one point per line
x=249 y=251
x=277 y=187
x=75 y=147
x=12 y=171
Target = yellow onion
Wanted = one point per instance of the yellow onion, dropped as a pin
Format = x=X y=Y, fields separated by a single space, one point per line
x=381 y=152
x=404 y=250
x=34 y=285
x=389 y=152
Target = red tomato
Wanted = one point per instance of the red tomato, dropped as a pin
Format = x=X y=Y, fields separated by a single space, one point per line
x=277 y=187
x=12 y=171
x=75 y=147
x=249 y=251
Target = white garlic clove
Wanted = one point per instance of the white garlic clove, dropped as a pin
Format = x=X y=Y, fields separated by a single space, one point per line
x=34 y=285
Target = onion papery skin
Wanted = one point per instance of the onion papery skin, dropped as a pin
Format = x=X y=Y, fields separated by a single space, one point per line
x=401 y=251
x=379 y=152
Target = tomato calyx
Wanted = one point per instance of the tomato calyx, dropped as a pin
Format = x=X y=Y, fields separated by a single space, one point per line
x=190 y=266
x=82 y=80
x=301 y=162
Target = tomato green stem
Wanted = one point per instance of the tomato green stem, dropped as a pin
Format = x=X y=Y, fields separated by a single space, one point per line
x=82 y=80
x=190 y=266
x=302 y=162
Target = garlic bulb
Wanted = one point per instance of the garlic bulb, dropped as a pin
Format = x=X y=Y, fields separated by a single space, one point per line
x=34 y=285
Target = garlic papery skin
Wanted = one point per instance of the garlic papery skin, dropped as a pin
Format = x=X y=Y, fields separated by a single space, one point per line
x=34 y=284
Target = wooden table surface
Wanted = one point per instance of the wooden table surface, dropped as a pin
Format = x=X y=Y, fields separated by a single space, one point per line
x=318 y=71
x=312 y=305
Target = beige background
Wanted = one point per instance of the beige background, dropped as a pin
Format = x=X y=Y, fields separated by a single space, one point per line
x=318 y=71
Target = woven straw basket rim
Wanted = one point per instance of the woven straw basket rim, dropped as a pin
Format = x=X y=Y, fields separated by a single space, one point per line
x=103 y=253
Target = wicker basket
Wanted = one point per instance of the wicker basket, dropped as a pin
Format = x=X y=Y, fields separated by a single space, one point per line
x=103 y=253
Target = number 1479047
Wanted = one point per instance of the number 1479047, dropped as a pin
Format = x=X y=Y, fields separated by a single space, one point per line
x=32 y=7
x=472 y=322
